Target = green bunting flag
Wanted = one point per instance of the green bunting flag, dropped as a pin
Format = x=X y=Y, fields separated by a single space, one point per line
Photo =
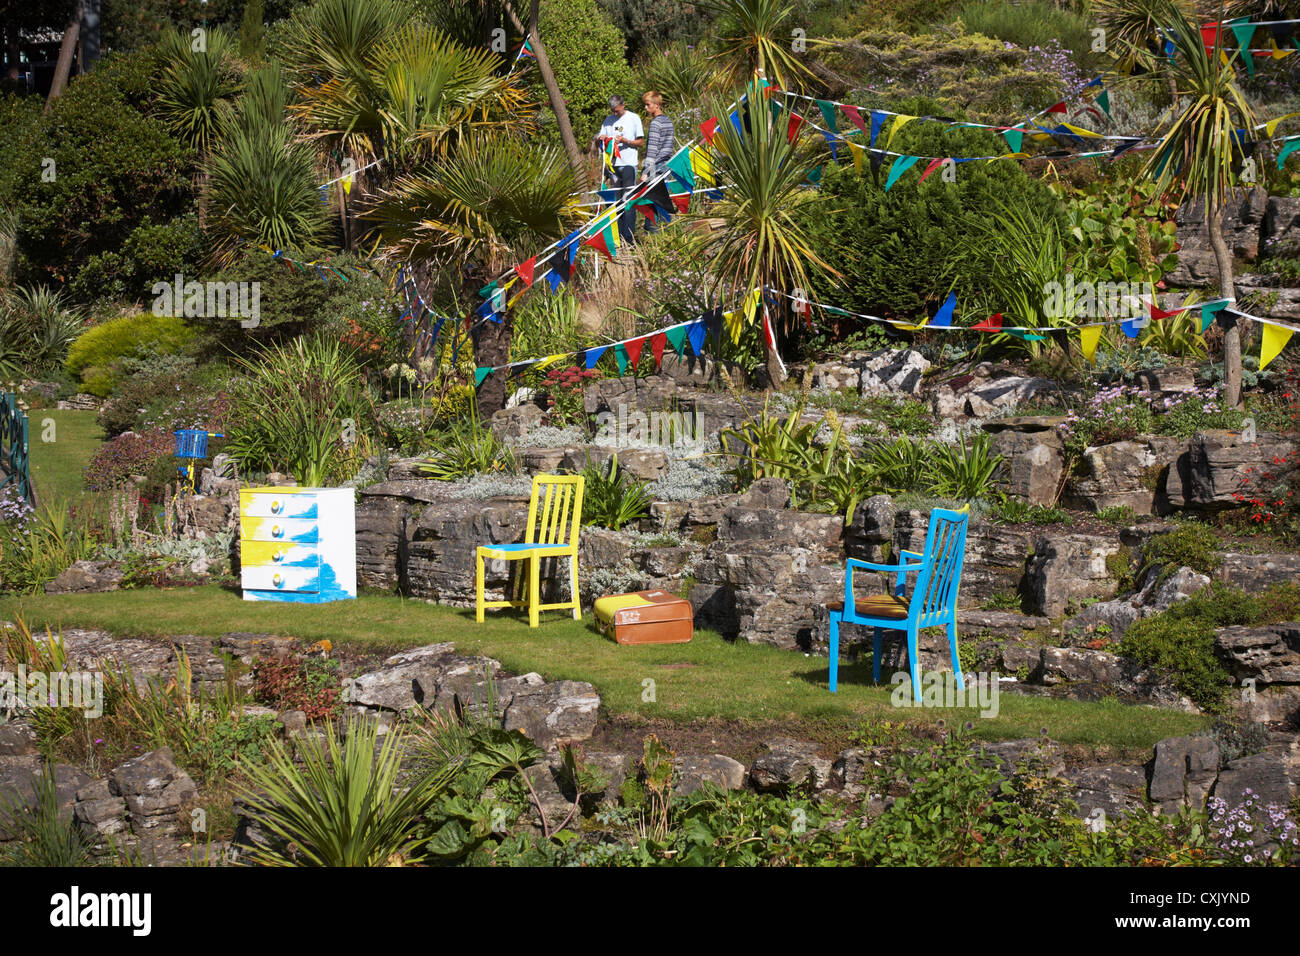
x=480 y=373
x=620 y=356
x=680 y=166
x=1243 y=33
x=677 y=338
x=900 y=166
x=1103 y=100
x=1207 y=312
x=828 y=114
x=1291 y=146
x=604 y=242
x=1015 y=137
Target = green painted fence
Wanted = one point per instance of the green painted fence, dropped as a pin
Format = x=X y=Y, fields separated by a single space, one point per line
x=14 y=468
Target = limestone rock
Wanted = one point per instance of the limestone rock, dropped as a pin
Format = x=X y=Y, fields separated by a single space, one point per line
x=87 y=577
x=691 y=771
x=787 y=765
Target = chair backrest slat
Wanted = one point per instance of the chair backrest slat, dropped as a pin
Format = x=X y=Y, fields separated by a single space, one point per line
x=555 y=511
x=945 y=549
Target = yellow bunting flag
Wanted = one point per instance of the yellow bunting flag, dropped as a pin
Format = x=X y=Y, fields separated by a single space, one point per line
x=1089 y=336
x=732 y=320
x=899 y=123
x=856 y=152
x=1278 y=54
x=1275 y=339
x=1080 y=131
x=347 y=186
x=550 y=360
x=701 y=165
x=751 y=305
x=1271 y=126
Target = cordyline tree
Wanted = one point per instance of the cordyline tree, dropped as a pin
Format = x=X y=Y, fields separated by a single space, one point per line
x=762 y=170
x=1203 y=142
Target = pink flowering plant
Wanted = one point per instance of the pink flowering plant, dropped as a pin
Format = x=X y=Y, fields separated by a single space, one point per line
x=563 y=387
x=1252 y=833
x=1118 y=413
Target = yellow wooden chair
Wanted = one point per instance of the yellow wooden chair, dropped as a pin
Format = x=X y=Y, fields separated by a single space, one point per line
x=554 y=518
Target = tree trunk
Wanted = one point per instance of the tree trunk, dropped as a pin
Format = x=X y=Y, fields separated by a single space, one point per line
x=1232 y=330
x=558 y=106
x=492 y=348
x=64 y=66
x=14 y=51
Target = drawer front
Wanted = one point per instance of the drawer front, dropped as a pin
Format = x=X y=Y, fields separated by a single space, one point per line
x=296 y=597
x=276 y=554
x=267 y=504
x=299 y=530
x=283 y=579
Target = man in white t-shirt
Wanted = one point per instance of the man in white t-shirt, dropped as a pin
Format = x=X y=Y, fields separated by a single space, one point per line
x=623 y=129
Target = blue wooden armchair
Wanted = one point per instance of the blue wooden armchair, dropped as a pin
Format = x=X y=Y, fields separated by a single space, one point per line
x=933 y=600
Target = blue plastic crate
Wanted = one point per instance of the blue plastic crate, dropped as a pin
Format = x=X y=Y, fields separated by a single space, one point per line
x=191 y=443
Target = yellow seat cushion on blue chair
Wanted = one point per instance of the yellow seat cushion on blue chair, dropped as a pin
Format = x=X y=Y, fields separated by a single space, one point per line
x=877 y=605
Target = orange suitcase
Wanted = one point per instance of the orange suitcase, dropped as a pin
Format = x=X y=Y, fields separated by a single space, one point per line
x=646 y=617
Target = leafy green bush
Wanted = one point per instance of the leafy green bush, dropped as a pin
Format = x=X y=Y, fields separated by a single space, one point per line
x=611 y=497
x=895 y=249
x=153 y=252
x=165 y=376
x=1190 y=545
x=116 y=170
x=1178 y=644
x=96 y=356
x=303 y=408
x=588 y=55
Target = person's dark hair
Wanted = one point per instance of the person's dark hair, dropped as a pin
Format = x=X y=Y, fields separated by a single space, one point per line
x=615 y=100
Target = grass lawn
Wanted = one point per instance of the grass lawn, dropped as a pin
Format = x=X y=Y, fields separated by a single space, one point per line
x=709 y=678
x=57 y=465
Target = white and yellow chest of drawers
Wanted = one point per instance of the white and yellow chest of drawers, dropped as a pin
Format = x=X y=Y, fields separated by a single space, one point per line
x=298 y=544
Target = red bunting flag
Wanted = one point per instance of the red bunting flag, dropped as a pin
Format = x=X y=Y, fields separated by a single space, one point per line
x=709 y=129
x=792 y=132
x=682 y=201
x=934 y=164
x=1157 y=314
x=646 y=209
x=634 y=350
x=992 y=324
x=1058 y=108
x=657 y=344
x=855 y=117
x=767 y=331
x=525 y=269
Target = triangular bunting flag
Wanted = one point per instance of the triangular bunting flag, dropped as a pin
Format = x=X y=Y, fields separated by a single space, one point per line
x=680 y=166
x=525 y=269
x=1103 y=100
x=1159 y=314
x=992 y=324
x=1089 y=336
x=877 y=121
x=480 y=373
x=634 y=350
x=1208 y=309
x=709 y=129
x=856 y=152
x=944 y=315
x=855 y=117
x=1290 y=147
x=657 y=343
x=900 y=166
x=605 y=241
x=701 y=165
x=1275 y=339
x=899 y=122
x=828 y=114
x=1014 y=137
x=792 y=130
x=695 y=334
x=677 y=338
x=934 y=164
x=620 y=356
x=1058 y=108
x=593 y=355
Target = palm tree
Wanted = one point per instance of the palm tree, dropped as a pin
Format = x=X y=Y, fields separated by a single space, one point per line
x=195 y=89
x=755 y=36
x=370 y=85
x=1200 y=150
x=1134 y=26
x=487 y=204
x=763 y=171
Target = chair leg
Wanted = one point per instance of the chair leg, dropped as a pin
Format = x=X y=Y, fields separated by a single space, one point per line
x=534 y=597
x=573 y=587
x=952 y=646
x=877 y=649
x=834 y=651
x=913 y=664
x=478 y=588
